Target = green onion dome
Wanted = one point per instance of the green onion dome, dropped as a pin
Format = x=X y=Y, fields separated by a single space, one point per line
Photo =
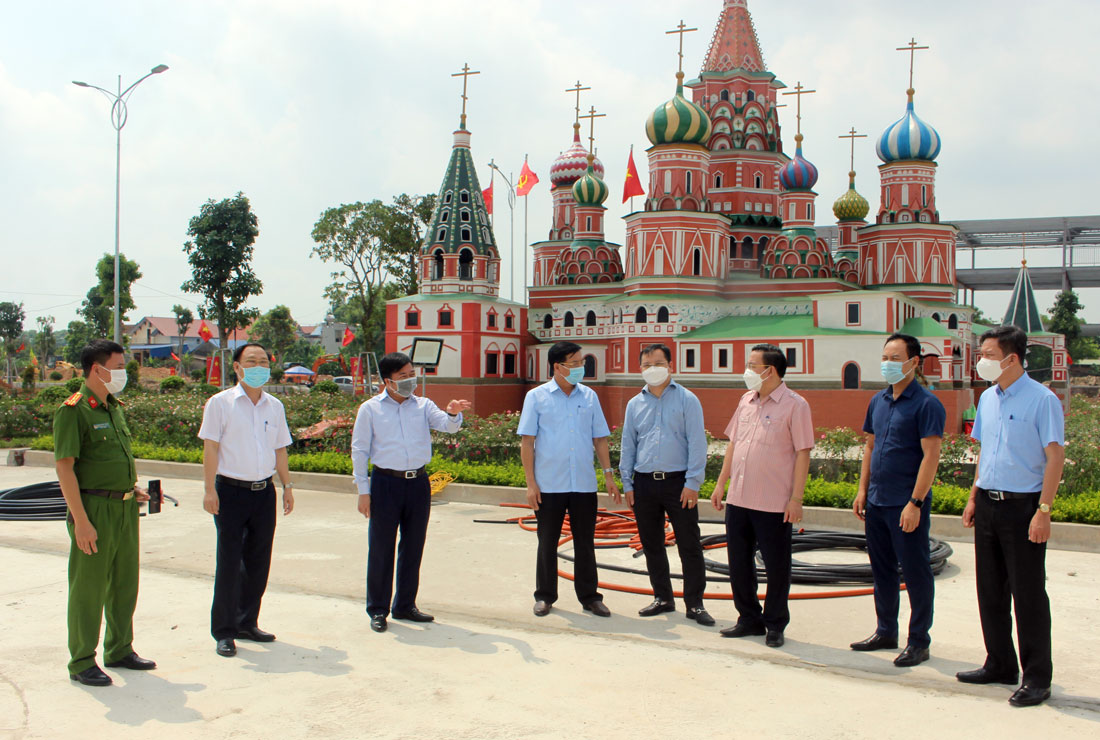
x=590 y=190
x=679 y=120
x=851 y=206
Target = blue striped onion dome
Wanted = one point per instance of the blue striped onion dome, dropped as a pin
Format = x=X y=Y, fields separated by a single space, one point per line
x=571 y=164
x=851 y=206
x=590 y=190
x=679 y=120
x=799 y=173
x=908 y=138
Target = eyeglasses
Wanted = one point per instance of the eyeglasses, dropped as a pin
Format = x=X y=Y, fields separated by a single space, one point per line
x=647 y=365
x=754 y=366
x=574 y=363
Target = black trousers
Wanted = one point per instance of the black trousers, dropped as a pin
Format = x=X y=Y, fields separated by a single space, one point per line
x=887 y=548
x=653 y=500
x=1011 y=572
x=397 y=504
x=245 y=523
x=582 y=522
x=747 y=530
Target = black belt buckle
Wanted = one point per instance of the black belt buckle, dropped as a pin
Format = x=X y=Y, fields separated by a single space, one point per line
x=410 y=474
x=258 y=485
x=995 y=495
x=658 y=475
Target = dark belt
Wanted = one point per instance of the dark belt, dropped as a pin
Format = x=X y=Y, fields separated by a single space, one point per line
x=407 y=474
x=257 y=485
x=662 y=475
x=120 y=495
x=1006 y=495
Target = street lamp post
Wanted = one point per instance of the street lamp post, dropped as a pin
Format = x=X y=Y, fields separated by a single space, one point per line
x=512 y=232
x=118 y=120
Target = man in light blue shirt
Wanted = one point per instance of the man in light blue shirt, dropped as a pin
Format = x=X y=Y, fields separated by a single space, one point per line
x=393 y=431
x=562 y=424
x=663 y=463
x=1022 y=432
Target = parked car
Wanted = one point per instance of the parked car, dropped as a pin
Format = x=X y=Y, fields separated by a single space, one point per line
x=346 y=383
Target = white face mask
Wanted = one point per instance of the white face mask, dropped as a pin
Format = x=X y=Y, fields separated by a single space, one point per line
x=655 y=375
x=117 y=382
x=989 y=370
x=753 y=381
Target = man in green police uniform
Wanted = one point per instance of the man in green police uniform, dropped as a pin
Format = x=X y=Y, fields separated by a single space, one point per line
x=98 y=479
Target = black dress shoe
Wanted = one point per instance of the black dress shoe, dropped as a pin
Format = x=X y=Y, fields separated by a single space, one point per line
x=92 y=676
x=598 y=608
x=1029 y=696
x=983 y=676
x=542 y=608
x=414 y=615
x=657 y=607
x=774 y=639
x=226 y=648
x=741 y=629
x=378 y=623
x=700 y=615
x=911 y=656
x=875 y=642
x=134 y=662
x=255 y=634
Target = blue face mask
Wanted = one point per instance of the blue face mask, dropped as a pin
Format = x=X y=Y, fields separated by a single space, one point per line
x=893 y=371
x=576 y=375
x=255 y=377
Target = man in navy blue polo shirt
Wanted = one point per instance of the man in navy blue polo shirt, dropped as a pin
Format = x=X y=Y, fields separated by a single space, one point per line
x=904 y=429
x=1022 y=431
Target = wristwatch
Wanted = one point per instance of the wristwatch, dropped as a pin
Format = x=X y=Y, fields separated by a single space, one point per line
x=608 y=470
x=1045 y=508
x=916 y=501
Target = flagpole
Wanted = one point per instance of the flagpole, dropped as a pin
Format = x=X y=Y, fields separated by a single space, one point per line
x=511 y=240
x=523 y=246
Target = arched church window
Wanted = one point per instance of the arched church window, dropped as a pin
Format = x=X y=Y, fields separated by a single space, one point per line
x=590 y=318
x=640 y=316
x=465 y=215
x=953 y=322
x=851 y=376
x=662 y=315
x=437 y=265
x=465 y=260
x=724 y=95
x=568 y=320
x=589 y=366
x=465 y=233
x=718 y=180
x=696 y=262
x=441 y=235
x=747 y=249
x=750 y=96
x=758 y=181
x=548 y=321
x=687 y=181
x=445 y=217
x=447 y=197
x=464 y=196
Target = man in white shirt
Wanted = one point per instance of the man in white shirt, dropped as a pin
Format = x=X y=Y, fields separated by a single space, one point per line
x=393 y=431
x=245 y=439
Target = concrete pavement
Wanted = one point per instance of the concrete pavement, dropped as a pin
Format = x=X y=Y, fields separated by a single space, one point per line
x=487 y=668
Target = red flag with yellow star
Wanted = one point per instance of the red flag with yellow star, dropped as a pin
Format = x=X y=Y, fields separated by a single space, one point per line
x=204 y=331
x=527 y=179
x=632 y=185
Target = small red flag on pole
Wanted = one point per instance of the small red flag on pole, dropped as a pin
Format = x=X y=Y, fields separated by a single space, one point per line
x=22 y=347
x=349 y=337
x=175 y=357
x=527 y=179
x=204 y=331
x=487 y=195
x=632 y=185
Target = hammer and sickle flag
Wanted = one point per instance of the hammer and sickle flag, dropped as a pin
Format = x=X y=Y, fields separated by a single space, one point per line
x=527 y=179
x=631 y=185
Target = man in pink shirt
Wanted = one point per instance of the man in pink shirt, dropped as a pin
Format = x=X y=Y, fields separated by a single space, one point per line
x=767 y=461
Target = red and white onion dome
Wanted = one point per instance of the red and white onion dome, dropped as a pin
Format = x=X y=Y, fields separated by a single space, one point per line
x=572 y=164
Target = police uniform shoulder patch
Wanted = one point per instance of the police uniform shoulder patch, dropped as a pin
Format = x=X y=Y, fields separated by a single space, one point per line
x=92 y=402
x=74 y=399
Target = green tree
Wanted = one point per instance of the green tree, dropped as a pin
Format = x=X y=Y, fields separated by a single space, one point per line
x=1065 y=321
x=303 y=353
x=353 y=238
x=370 y=336
x=410 y=218
x=184 y=319
x=277 y=331
x=11 y=330
x=45 y=341
x=77 y=336
x=220 y=255
x=97 y=308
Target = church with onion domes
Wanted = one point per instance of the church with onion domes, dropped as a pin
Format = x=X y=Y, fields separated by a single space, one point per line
x=721 y=255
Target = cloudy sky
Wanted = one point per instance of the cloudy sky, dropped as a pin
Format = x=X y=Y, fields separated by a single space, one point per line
x=306 y=105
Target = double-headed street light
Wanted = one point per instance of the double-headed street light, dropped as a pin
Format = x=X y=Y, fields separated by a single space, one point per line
x=118 y=120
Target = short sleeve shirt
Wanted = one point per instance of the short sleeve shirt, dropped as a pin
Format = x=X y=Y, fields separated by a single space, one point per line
x=563 y=427
x=899 y=425
x=766 y=435
x=96 y=435
x=248 y=434
x=1015 y=426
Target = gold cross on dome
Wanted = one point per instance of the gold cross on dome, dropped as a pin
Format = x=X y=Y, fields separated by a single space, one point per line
x=912 y=48
x=681 y=30
x=799 y=91
x=465 y=75
x=852 y=136
x=577 y=89
x=592 y=115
